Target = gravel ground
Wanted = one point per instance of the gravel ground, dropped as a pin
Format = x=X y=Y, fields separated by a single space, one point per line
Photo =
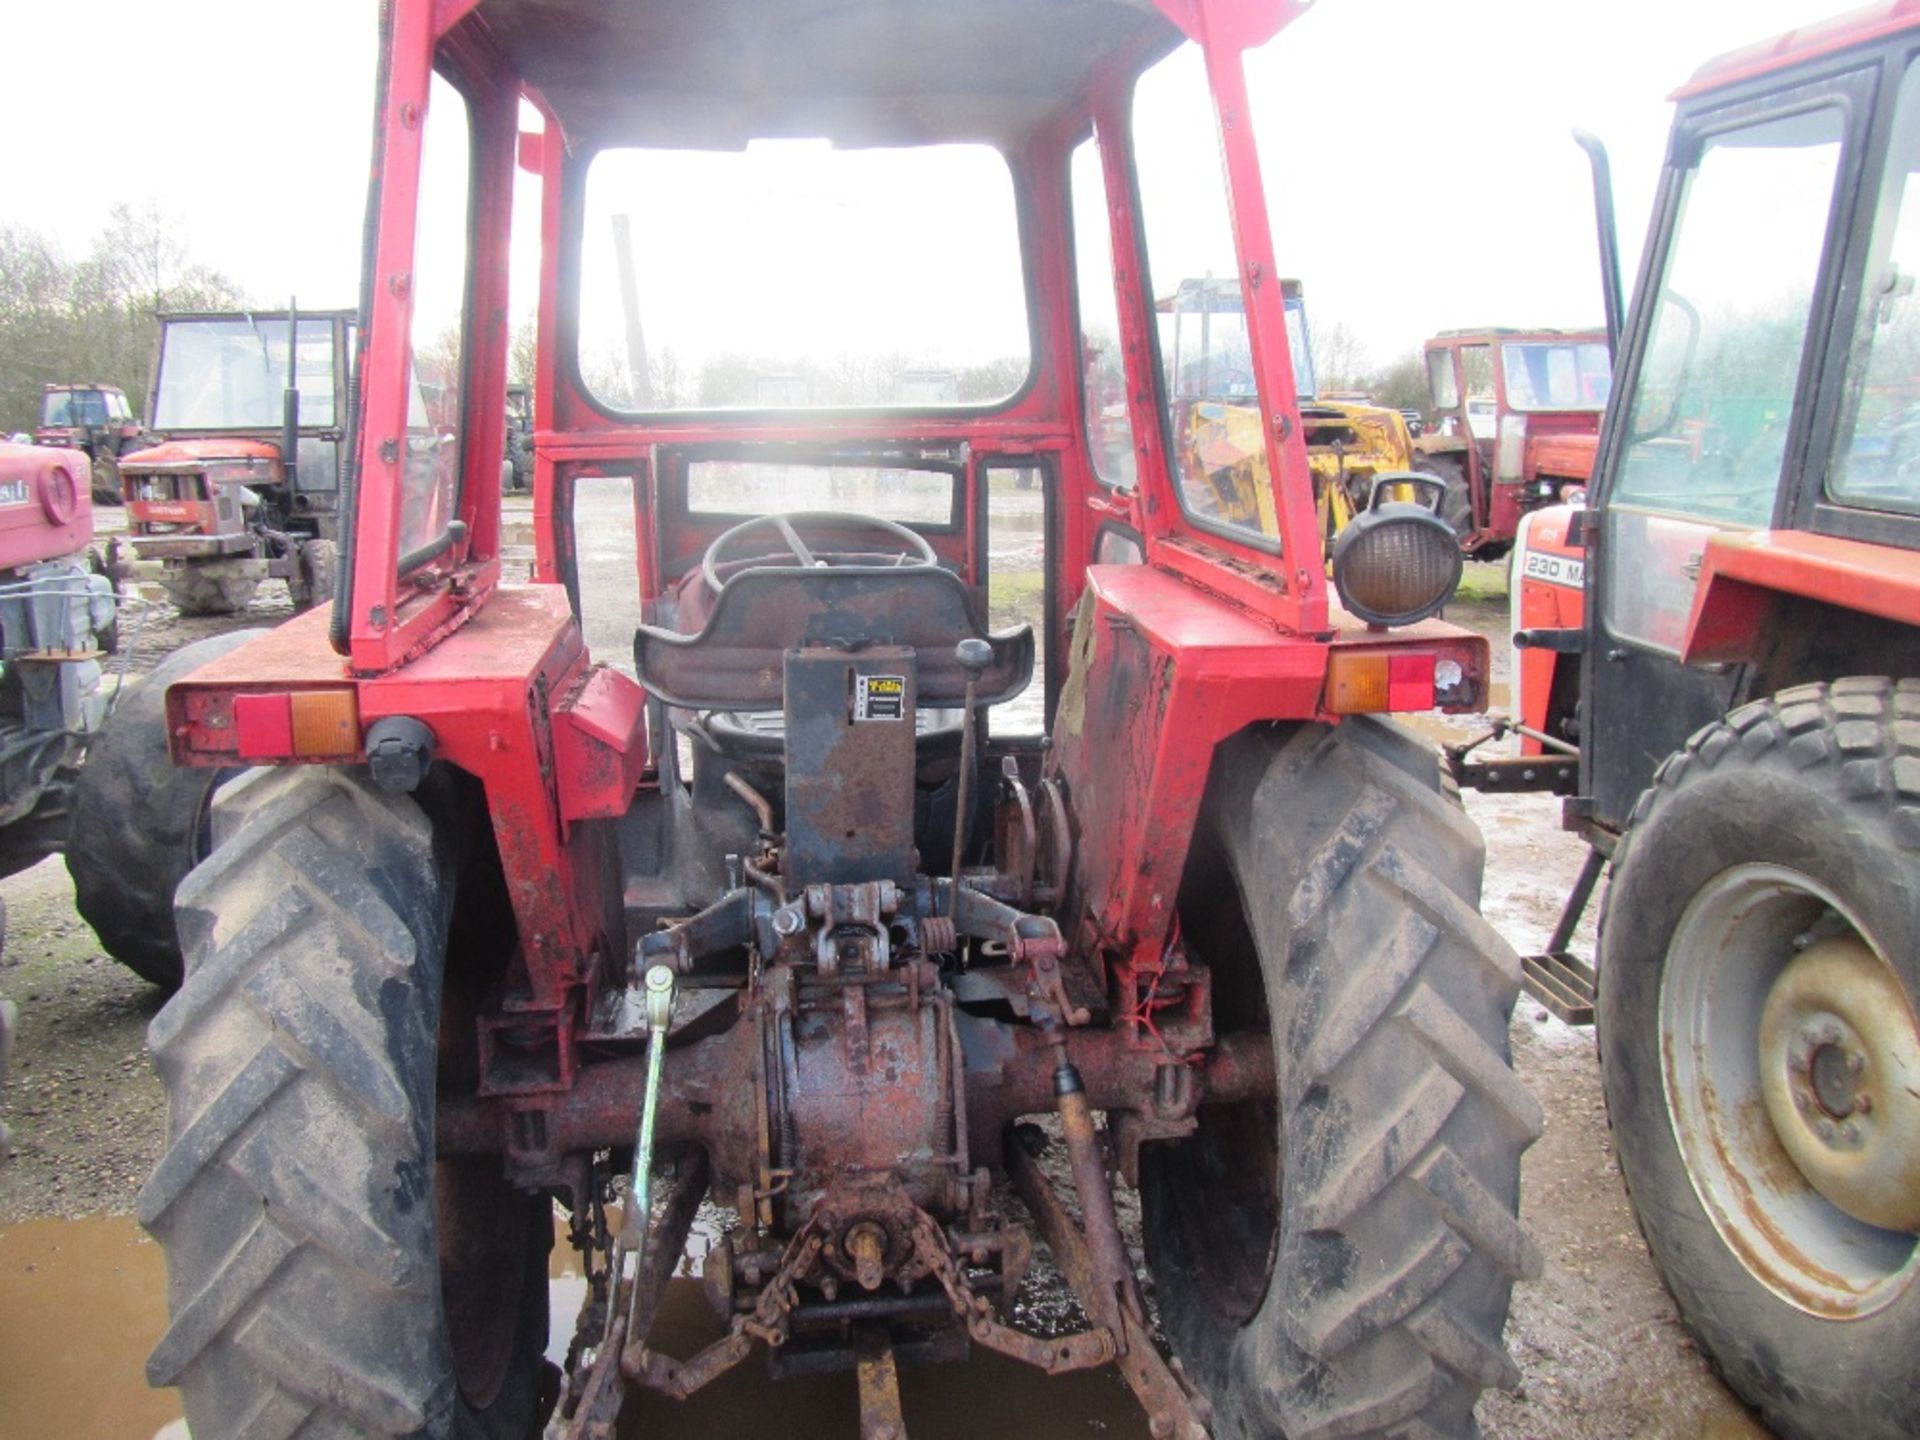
x=1600 y=1348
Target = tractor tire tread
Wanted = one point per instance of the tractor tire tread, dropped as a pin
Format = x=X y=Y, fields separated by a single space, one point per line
x=195 y=593
x=298 y=1060
x=137 y=820
x=1867 y=726
x=1398 y=1234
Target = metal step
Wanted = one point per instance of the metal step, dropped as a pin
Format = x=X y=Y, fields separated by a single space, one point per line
x=1562 y=982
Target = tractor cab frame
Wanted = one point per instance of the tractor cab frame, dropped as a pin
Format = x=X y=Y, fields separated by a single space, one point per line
x=773 y=909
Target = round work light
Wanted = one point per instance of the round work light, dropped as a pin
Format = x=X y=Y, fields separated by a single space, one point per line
x=1399 y=561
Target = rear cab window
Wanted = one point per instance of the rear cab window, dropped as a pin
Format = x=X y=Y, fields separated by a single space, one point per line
x=796 y=275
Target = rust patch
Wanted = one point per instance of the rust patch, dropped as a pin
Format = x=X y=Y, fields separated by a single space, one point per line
x=1750 y=1128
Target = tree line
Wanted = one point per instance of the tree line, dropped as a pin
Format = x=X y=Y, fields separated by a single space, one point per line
x=91 y=319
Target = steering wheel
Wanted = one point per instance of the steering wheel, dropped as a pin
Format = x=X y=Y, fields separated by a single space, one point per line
x=914 y=545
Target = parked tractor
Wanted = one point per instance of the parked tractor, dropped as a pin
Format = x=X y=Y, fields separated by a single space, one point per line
x=95 y=420
x=1720 y=667
x=242 y=482
x=56 y=621
x=1203 y=337
x=1518 y=420
x=83 y=764
x=774 y=912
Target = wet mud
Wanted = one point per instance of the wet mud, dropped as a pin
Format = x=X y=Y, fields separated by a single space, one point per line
x=81 y=1303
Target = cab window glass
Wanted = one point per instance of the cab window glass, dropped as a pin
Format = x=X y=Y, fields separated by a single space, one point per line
x=1441 y=389
x=1017 y=582
x=1556 y=375
x=1707 y=424
x=1219 y=440
x=793 y=273
x=430 y=477
x=1707 y=420
x=1103 y=375
x=1876 y=452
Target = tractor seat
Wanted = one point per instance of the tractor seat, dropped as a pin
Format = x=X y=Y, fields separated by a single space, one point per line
x=734 y=663
x=761 y=735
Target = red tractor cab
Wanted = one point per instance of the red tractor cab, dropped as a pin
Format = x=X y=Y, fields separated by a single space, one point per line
x=1516 y=422
x=242 y=478
x=835 y=864
x=1720 y=669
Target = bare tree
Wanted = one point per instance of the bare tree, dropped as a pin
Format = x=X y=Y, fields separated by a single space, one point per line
x=1339 y=357
x=522 y=352
x=1402 y=383
x=93 y=319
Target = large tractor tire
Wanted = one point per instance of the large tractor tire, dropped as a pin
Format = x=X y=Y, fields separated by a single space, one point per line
x=140 y=822
x=196 y=590
x=1340 y=1264
x=325 y=1274
x=1456 y=500
x=1759 y=980
x=316 y=564
x=106 y=481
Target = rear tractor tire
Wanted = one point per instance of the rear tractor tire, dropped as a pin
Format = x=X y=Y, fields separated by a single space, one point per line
x=105 y=482
x=140 y=822
x=325 y=1275
x=316 y=563
x=1456 y=501
x=1340 y=1264
x=196 y=591
x=1759 y=983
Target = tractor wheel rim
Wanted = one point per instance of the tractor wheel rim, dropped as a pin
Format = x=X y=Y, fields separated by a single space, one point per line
x=1775 y=1008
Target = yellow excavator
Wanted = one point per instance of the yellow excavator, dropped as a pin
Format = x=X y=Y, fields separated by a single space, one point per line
x=1203 y=342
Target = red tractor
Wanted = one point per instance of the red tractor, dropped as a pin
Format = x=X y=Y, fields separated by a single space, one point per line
x=83 y=762
x=242 y=482
x=781 y=910
x=57 y=620
x=95 y=420
x=1517 y=419
x=1720 y=667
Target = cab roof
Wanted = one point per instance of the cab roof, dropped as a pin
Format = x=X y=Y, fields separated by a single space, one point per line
x=713 y=74
x=1801 y=44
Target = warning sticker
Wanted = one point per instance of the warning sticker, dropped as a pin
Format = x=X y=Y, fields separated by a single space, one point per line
x=880 y=697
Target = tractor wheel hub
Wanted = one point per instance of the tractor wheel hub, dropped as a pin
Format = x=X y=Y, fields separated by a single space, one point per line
x=1840 y=1067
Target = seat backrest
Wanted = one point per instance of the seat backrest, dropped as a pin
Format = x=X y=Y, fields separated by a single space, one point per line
x=734 y=662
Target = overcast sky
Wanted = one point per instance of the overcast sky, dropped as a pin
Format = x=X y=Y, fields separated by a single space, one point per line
x=1419 y=170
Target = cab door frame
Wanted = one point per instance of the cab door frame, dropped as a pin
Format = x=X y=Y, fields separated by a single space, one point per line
x=1640 y=701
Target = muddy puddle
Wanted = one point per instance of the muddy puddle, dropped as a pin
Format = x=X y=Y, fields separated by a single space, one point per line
x=81 y=1304
x=83 y=1301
